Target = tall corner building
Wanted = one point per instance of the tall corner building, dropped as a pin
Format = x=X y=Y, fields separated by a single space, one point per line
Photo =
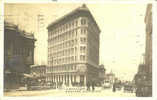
x=73 y=48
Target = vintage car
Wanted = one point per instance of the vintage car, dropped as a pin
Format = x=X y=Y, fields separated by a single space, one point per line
x=129 y=88
x=107 y=84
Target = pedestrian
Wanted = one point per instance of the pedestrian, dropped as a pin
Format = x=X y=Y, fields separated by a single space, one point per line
x=88 y=86
x=114 y=87
x=93 y=87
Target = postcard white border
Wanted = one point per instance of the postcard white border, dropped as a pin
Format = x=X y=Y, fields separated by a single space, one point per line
x=154 y=69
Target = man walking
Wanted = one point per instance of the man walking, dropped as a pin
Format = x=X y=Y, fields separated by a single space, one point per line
x=93 y=86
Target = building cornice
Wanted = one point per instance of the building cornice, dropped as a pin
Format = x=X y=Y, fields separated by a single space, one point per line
x=83 y=8
x=13 y=27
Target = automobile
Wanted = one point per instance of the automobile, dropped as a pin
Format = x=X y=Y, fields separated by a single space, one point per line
x=129 y=88
x=107 y=84
x=34 y=88
x=33 y=84
x=118 y=87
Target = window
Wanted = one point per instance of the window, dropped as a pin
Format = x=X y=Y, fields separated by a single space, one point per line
x=72 y=42
x=71 y=67
x=83 y=31
x=82 y=57
x=69 y=52
x=75 y=50
x=72 y=23
x=75 y=41
x=72 y=33
x=83 y=40
x=74 y=78
x=82 y=49
x=76 y=33
x=66 y=26
x=65 y=60
x=72 y=50
x=66 y=52
x=75 y=58
x=72 y=58
x=74 y=67
x=76 y=23
x=61 y=28
x=83 y=21
x=64 y=45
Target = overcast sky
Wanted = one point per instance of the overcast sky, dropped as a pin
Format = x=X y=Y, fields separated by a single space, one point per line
x=122 y=37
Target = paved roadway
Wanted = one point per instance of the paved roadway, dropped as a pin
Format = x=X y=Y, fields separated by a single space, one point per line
x=99 y=92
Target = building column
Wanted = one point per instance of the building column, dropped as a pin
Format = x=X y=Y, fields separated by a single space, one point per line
x=52 y=78
x=78 y=78
x=63 y=81
x=59 y=78
x=65 y=78
x=70 y=80
x=55 y=79
x=62 y=78
x=85 y=80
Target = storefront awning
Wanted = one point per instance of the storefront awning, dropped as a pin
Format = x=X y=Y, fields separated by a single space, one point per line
x=28 y=75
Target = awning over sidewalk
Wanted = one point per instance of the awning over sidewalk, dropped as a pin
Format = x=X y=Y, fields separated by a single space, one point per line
x=28 y=75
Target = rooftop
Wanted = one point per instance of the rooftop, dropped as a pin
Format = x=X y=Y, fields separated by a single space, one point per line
x=82 y=8
x=14 y=27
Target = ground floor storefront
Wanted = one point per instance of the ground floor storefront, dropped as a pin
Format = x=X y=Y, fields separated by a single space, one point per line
x=80 y=77
x=11 y=80
x=14 y=79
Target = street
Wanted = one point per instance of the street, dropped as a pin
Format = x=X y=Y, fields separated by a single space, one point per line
x=58 y=92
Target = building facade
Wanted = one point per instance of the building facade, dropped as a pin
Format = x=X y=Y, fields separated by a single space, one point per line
x=101 y=72
x=18 y=55
x=110 y=77
x=143 y=78
x=73 y=48
x=148 y=50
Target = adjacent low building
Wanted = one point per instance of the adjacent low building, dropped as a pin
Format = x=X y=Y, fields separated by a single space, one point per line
x=110 y=77
x=101 y=72
x=18 y=55
x=73 y=49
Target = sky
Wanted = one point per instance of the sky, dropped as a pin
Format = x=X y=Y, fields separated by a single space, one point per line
x=122 y=37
